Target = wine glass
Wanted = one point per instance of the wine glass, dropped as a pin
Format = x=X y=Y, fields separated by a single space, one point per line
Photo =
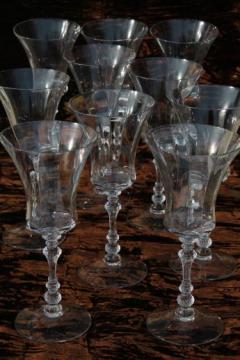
x=93 y=67
x=163 y=79
x=99 y=65
x=45 y=40
x=178 y=38
x=118 y=118
x=29 y=95
x=184 y=38
x=119 y=31
x=49 y=157
x=216 y=105
x=193 y=159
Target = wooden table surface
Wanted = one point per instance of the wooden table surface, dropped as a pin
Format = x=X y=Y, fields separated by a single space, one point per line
x=119 y=331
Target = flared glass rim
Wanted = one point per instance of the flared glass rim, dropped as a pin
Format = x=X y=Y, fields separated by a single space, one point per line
x=150 y=103
x=89 y=142
x=213 y=27
x=92 y=22
x=201 y=108
x=165 y=60
x=64 y=81
x=41 y=18
x=216 y=156
x=67 y=56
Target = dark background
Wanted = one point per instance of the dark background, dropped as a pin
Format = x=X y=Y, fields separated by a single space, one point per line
x=221 y=64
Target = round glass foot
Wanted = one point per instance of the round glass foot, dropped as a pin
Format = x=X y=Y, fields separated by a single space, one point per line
x=147 y=219
x=34 y=325
x=221 y=266
x=202 y=329
x=102 y=276
x=18 y=237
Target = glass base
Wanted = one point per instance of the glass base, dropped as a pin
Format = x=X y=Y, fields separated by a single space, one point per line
x=221 y=266
x=102 y=276
x=201 y=330
x=146 y=219
x=18 y=237
x=33 y=324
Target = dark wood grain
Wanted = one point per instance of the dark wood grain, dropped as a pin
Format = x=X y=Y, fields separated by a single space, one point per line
x=118 y=331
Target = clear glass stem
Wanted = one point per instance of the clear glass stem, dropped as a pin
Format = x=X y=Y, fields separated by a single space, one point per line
x=204 y=252
x=112 y=248
x=158 y=198
x=185 y=300
x=52 y=296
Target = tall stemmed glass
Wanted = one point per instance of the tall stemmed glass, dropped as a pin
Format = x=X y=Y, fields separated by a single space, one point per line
x=179 y=38
x=46 y=40
x=163 y=79
x=215 y=105
x=111 y=38
x=193 y=160
x=50 y=157
x=29 y=95
x=99 y=65
x=110 y=43
x=118 y=118
x=119 y=31
x=184 y=38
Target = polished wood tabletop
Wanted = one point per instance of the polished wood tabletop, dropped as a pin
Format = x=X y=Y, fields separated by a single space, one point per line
x=119 y=316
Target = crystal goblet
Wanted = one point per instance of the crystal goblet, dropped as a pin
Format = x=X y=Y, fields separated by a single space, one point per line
x=163 y=79
x=184 y=38
x=29 y=95
x=50 y=157
x=93 y=67
x=45 y=40
x=119 y=31
x=216 y=105
x=193 y=160
x=99 y=65
x=118 y=118
x=178 y=38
